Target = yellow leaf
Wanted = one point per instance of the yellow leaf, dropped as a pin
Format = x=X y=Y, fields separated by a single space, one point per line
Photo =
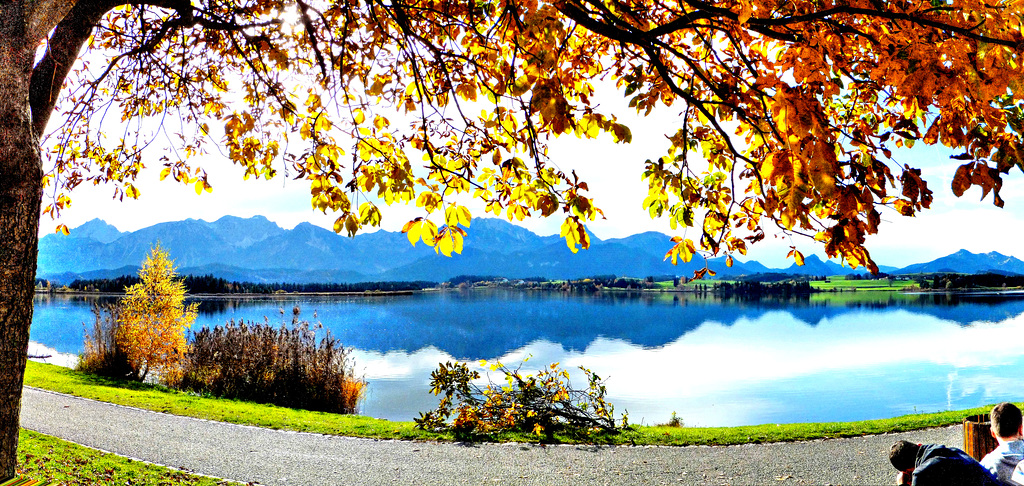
x=164 y=173
x=457 y=240
x=450 y=215
x=569 y=232
x=351 y=224
x=369 y=214
x=799 y=257
x=428 y=232
x=445 y=244
x=359 y=117
x=412 y=230
x=746 y=11
x=464 y=216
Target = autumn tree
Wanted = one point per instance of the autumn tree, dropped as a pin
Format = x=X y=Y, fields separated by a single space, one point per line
x=788 y=112
x=153 y=318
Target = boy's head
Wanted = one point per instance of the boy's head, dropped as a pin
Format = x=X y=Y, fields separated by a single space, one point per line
x=1006 y=421
x=903 y=455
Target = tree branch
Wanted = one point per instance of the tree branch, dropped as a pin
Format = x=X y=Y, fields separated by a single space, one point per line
x=61 y=52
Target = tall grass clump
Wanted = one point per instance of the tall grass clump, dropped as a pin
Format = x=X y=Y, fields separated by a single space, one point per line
x=283 y=365
x=103 y=354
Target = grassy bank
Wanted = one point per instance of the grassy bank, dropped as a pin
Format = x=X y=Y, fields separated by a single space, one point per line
x=46 y=458
x=160 y=399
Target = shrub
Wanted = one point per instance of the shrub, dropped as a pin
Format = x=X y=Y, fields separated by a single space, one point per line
x=153 y=319
x=103 y=355
x=544 y=403
x=282 y=365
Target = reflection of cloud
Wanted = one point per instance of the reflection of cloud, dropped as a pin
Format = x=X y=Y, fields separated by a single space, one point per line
x=397 y=365
x=949 y=388
x=991 y=386
x=55 y=357
x=767 y=369
x=776 y=346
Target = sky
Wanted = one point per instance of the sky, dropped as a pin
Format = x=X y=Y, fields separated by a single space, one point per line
x=613 y=173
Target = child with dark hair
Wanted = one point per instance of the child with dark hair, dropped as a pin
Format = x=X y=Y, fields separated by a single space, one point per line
x=935 y=465
x=1006 y=428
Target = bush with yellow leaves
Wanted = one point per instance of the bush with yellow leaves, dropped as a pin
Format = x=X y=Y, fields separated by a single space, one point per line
x=543 y=403
x=153 y=319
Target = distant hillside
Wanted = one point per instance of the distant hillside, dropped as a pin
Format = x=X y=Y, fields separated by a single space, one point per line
x=964 y=261
x=258 y=250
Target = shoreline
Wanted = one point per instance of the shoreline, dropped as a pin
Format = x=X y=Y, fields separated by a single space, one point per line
x=368 y=293
x=389 y=293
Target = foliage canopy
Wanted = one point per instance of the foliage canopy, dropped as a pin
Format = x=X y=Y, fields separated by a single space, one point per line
x=788 y=110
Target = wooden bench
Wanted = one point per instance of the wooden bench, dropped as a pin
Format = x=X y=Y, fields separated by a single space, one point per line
x=978 y=439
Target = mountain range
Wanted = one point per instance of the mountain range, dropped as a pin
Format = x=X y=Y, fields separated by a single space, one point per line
x=258 y=250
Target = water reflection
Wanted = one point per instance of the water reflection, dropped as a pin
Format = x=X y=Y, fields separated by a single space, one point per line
x=712 y=361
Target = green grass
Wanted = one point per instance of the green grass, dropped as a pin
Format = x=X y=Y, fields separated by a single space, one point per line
x=158 y=398
x=46 y=458
x=840 y=283
x=162 y=399
x=665 y=435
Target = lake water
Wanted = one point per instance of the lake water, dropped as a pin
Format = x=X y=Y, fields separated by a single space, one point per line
x=830 y=357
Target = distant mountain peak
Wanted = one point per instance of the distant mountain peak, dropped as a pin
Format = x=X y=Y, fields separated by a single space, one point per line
x=230 y=219
x=964 y=261
x=96 y=229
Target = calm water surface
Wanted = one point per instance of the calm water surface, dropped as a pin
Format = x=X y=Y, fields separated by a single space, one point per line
x=830 y=357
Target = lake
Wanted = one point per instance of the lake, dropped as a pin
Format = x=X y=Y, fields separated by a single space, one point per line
x=714 y=362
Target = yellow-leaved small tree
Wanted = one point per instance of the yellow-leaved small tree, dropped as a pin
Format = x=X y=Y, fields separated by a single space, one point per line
x=153 y=319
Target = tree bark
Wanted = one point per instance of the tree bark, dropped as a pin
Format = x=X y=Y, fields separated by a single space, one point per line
x=20 y=200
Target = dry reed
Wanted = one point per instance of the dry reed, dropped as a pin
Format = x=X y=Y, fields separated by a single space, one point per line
x=283 y=365
x=103 y=356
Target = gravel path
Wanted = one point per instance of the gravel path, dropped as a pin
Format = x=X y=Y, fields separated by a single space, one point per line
x=269 y=457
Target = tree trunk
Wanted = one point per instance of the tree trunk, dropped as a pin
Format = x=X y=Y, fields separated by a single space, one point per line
x=20 y=199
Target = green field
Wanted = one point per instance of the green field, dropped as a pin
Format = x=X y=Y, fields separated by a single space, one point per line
x=840 y=283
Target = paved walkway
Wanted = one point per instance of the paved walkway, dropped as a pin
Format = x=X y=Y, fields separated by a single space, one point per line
x=269 y=457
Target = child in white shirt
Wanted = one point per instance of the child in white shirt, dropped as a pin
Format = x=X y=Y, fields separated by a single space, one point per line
x=1006 y=428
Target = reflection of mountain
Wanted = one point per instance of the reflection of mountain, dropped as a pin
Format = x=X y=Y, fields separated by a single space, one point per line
x=648 y=321
x=487 y=324
x=483 y=325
